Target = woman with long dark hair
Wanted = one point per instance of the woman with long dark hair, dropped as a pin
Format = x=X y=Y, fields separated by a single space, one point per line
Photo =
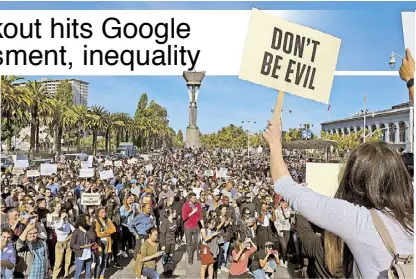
x=104 y=228
x=81 y=242
x=375 y=184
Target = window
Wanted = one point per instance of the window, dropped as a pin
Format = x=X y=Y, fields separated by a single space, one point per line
x=402 y=131
x=392 y=133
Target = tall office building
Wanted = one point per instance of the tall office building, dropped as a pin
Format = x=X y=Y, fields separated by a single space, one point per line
x=79 y=88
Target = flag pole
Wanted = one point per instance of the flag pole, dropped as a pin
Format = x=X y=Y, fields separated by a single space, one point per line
x=365 y=101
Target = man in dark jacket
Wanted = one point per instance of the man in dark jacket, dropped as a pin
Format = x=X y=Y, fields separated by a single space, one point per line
x=113 y=212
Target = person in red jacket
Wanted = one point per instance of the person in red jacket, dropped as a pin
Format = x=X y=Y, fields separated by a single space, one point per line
x=192 y=215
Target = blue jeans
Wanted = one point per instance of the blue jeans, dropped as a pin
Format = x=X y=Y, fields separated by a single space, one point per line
x=79 y=265
x=150 y=273
x=101 y=261
x=225 y=253
x=261 y=274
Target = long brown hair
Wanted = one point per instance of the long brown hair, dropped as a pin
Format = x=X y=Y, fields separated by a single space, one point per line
x=374 y=177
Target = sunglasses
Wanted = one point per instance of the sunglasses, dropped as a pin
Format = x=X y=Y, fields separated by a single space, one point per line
x=247 y=213
x=30 y=203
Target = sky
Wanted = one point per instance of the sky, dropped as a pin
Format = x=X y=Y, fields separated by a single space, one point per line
x=370 y=32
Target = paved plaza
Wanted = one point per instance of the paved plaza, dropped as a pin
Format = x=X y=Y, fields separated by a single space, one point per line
x=182 y=268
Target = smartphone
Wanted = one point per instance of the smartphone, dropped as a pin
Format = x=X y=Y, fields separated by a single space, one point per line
x=32 y=221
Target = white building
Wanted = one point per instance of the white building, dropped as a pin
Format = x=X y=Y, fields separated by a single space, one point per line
x=395 y=124
x=79 y=88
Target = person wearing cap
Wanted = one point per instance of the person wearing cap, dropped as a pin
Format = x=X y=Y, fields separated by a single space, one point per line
x=246 y=201
x=265 y=262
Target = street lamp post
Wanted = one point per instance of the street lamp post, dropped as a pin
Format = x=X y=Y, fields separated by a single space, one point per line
x=409 y=147
x=248 y=135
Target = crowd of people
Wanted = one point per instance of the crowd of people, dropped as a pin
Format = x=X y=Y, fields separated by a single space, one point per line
x=52 y=229
x=241 y=215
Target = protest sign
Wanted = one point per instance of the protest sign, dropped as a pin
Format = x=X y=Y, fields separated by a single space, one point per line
x=132 y=161
x=21 y=164
x=145 y=157
x=90 y=199
x=18 y=171
x=289 y=57
x=86 y=173
x=32 y=173
x=90 y=160
x=108 y=163
x=222 y=173
x=323 y=178
x=85 y=165
x=106 y=174
x=118 y=163
x=48 y=169
x=52 y=220
x=149 y=167
x=409 y=31
x=209 y=173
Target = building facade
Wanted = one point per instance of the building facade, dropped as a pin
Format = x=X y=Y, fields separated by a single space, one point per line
x=79 y=88
x=395 y=124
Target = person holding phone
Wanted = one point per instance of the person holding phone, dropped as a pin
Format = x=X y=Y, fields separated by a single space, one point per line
x=241 y=254
x=265 y=262
x=82 y=241
x=209 y=248
x=149 y=255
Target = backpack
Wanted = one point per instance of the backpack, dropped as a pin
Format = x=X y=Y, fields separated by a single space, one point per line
x=402 y=265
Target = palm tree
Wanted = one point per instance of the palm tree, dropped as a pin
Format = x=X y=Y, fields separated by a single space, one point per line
x=62 y=117
x=39 y=95
x=14 y=106
x=81 y=115
x=95 y=122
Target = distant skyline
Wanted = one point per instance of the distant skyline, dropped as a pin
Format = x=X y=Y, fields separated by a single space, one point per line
x=370 y=32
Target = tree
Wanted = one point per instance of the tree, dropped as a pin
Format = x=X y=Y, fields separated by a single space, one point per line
x=40 y=99
x=81 y=114
x=346 y=143
x=15 y=103
x=96 y=122
x=293 y=134
x=179 y=139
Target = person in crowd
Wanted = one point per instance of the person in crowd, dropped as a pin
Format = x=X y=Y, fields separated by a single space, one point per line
x=192 y=215
x=128 y=212
x=82 y=242
x=246 y=226
x=113 y=213
x=104 y=228
x=265 y=262
x=283 y=224
x=241 y=254
x=32 y=255
x=63 y=230
x=209 y=248
x=266 y=218
x=150 y=254
x=225 y=228
x=8 y=254
x=167 y=238
x=140 y=225
x=387 y=191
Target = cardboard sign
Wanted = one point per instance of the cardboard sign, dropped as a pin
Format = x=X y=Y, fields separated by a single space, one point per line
x=132 y=161
x=18 y=171
x=106 y=175
x=289 y=57
x=16 y=180
x=48 y=169
x=85 y=165
x=108 y=163
x=323 y=178
x=118 y=163
x=90 y=199
x=209 y=173
x=32 y=173
x=222 y=173
x=21 y=164
x=86 y=173
x=409 y=30
x=52 y=220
